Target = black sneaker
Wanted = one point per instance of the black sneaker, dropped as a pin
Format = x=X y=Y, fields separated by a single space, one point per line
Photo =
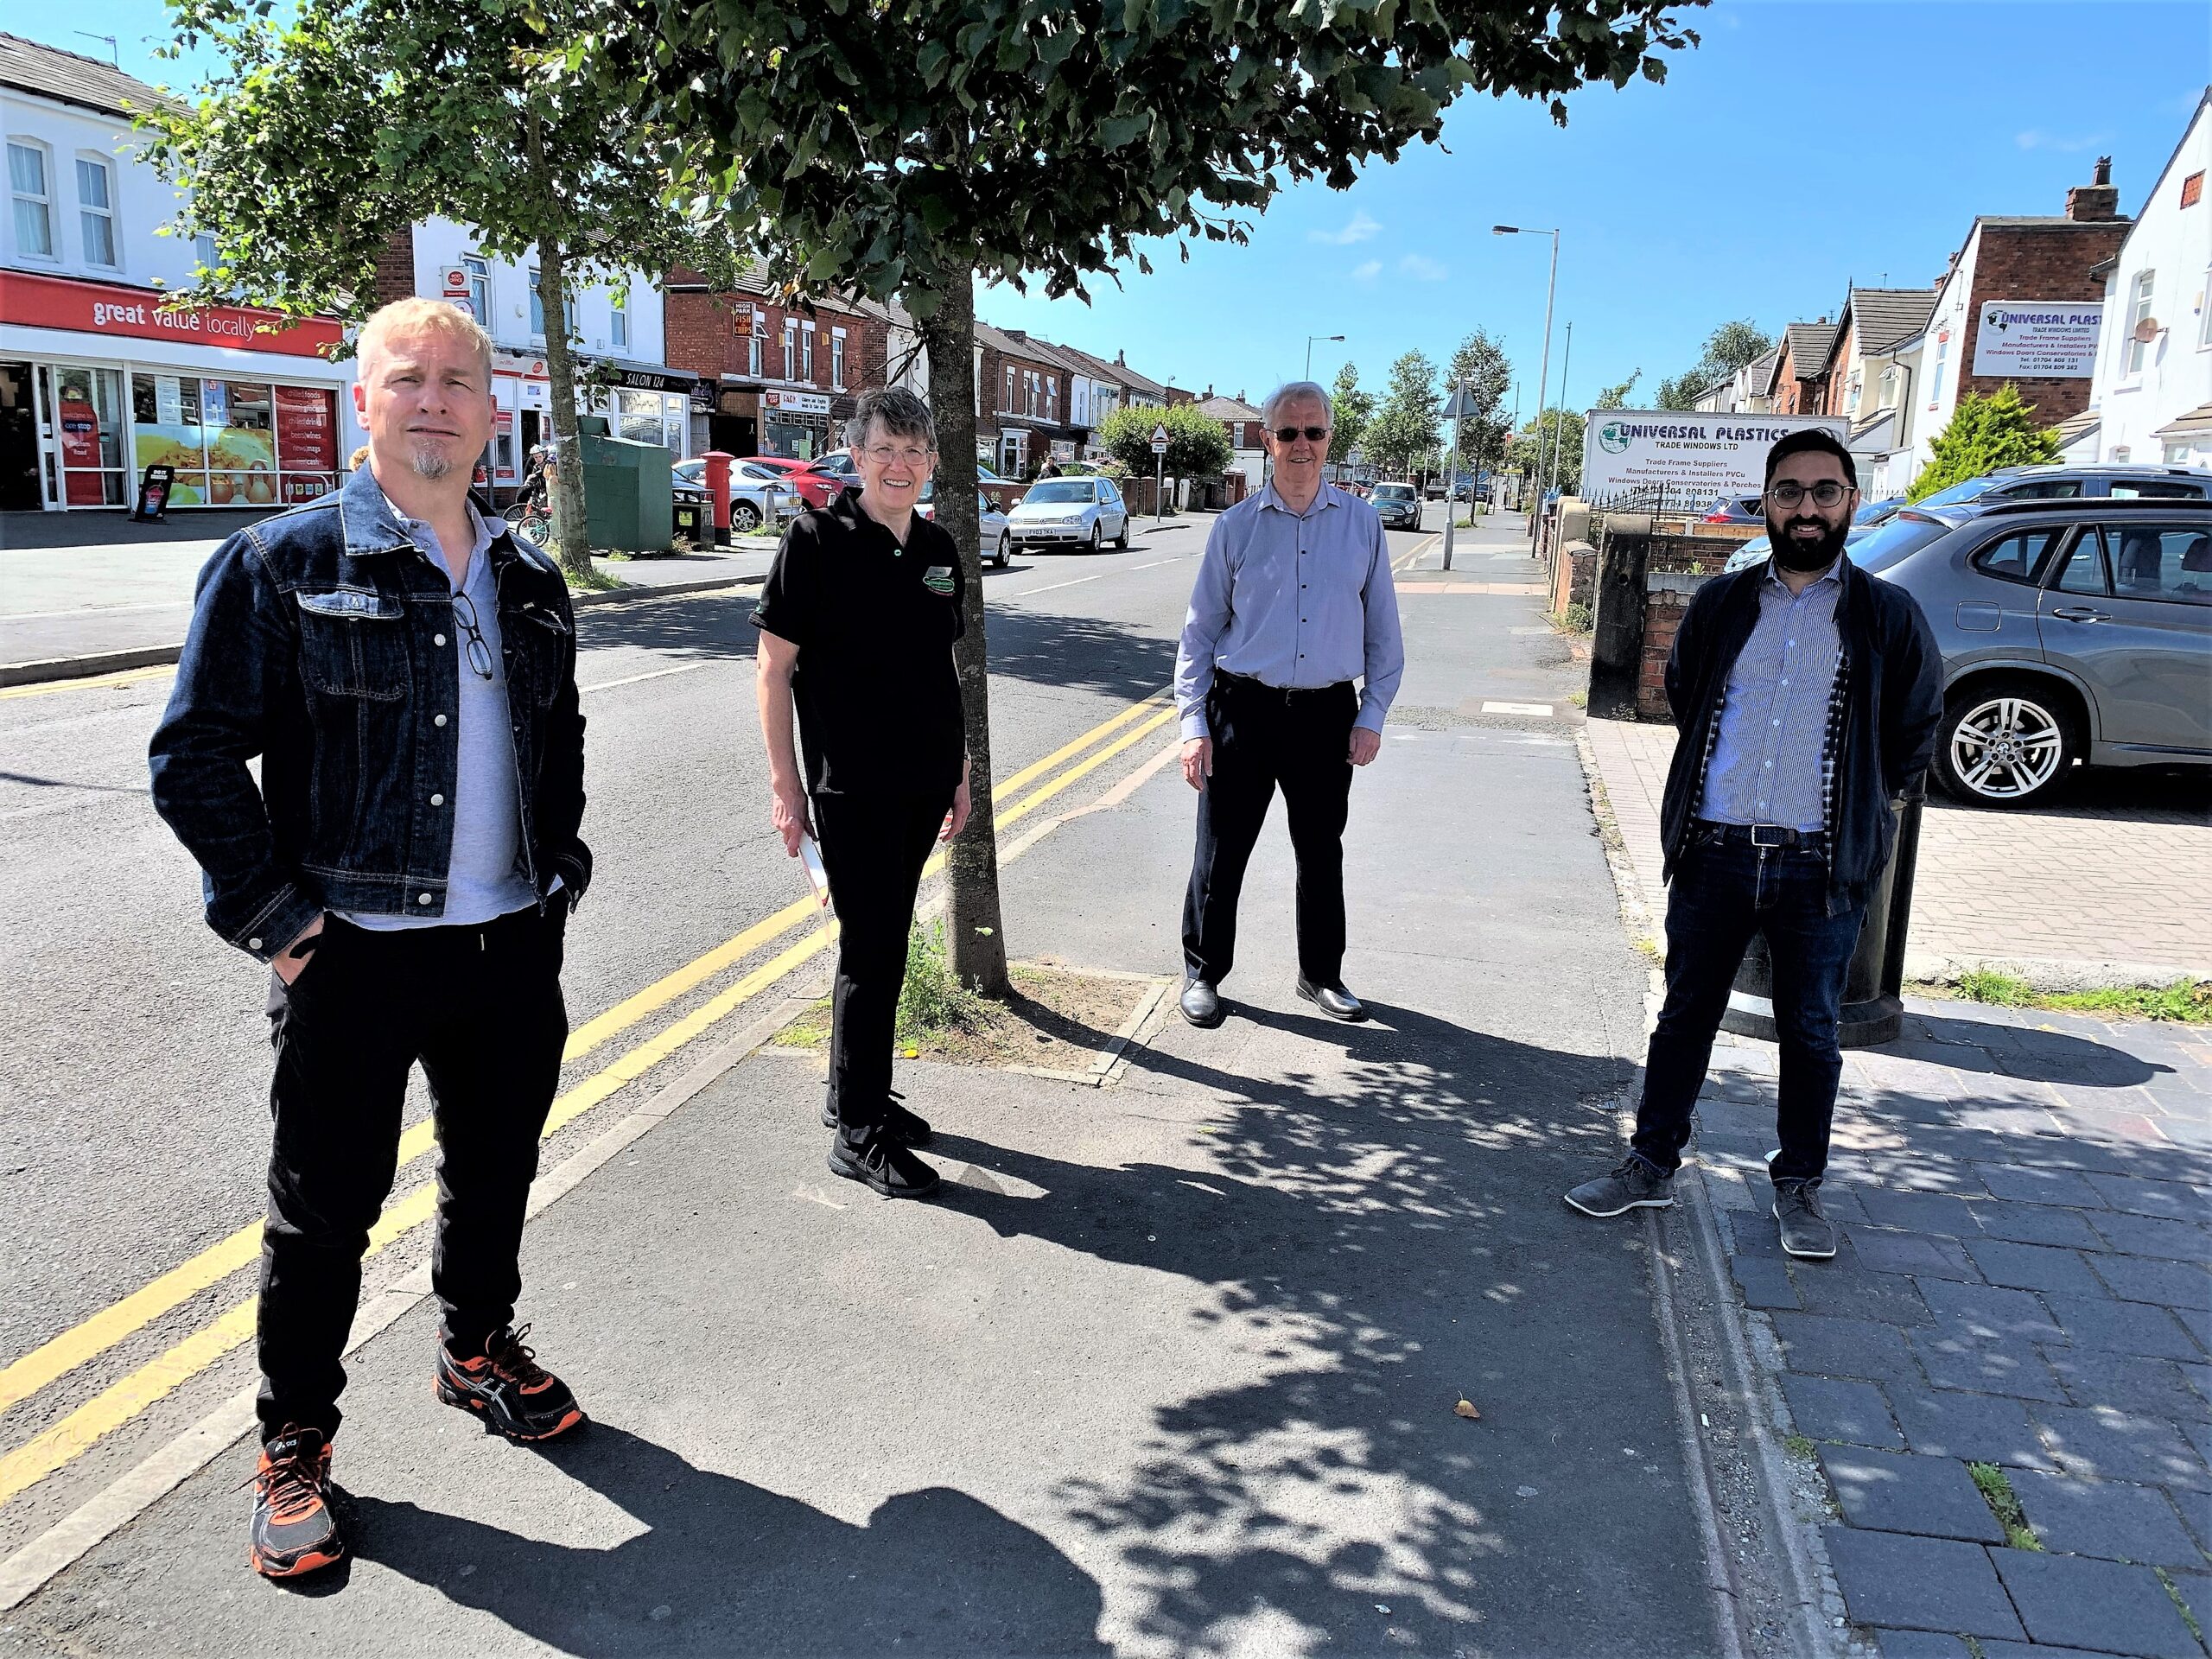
x=295 y=1529
x=508 y=1388
x=908 y=1128
x=1635 y=1186
x=890 y=1169
x=1805 y=1233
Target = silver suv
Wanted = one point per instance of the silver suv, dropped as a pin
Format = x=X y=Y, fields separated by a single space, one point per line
x=2071 y=630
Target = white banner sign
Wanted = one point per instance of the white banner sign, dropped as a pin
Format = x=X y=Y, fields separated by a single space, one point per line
x=798 y=403
x=1688 y=454
x=2038 y=340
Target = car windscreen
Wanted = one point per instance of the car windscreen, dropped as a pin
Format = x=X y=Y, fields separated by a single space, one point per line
x=1062 y=490
x=1888 y=544
x=1394 y=492
x=1972 y=490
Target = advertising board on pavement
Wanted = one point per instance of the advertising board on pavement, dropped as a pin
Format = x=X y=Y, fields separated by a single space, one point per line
x=2038 y=340
x=1690 y=454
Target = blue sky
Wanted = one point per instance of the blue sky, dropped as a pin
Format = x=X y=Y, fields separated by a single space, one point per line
x=1804 y=145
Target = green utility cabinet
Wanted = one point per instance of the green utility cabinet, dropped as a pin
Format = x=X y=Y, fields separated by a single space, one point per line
x=629 y=497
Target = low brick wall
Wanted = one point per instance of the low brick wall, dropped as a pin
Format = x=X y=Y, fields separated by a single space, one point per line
x=1573 y=573
x=1705 y=549
x=1667 y=594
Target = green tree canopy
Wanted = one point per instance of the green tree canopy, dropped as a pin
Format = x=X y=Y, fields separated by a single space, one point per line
x=1481 y=372
x=1404 y=428
x=1557 y=431
x=1727 y=349
x=1616 y=397
x=1355 y=408
x=1197 y=447
x=1983 y=434
x=322 y=135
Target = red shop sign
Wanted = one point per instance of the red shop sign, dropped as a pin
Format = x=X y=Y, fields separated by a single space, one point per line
x=134 y=313
x=306 y=429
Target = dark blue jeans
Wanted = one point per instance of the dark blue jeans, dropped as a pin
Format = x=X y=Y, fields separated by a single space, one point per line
x=1723 y=893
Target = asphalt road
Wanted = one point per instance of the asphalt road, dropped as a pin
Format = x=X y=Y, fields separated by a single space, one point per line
x=133 y=1047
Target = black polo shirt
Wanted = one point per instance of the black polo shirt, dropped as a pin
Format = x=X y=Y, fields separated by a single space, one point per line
x=878 y=703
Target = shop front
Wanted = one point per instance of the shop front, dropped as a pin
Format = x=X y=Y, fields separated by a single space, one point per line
x=645 y=404
x=98 y=383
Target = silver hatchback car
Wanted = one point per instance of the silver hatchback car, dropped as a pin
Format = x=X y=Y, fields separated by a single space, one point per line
x=2071 y=631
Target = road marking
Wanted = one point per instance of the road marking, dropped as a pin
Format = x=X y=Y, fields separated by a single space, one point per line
x=1545 y=628
x=91 y=683
x=1420 y=548
x=104 y=1329
x=96 y=610
x=657 y=674
x=1541 y=710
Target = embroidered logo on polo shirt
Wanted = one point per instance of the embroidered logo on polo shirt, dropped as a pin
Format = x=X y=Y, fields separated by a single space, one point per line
x=938 y=579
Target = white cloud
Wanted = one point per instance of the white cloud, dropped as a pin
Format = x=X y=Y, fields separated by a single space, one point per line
x=1367 y=270
x=1362 y=229
x=2037 y=138
x=1421 y=268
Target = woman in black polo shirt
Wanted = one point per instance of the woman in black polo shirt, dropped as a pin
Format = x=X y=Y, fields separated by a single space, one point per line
x=857 y=621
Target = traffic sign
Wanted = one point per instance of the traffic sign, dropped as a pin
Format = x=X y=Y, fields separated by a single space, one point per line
x=1160 y=438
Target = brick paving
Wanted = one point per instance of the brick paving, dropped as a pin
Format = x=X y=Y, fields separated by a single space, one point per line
x=2115 y=874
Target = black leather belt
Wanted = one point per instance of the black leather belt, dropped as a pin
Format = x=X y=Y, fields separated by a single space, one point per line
x=1760 y=834
x=1244 y=684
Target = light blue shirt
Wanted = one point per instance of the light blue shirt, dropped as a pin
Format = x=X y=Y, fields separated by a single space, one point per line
x=1296 y=600
x=1770 y=761
x=484 y=876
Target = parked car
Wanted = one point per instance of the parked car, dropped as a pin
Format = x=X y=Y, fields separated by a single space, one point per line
x=1735 y=509
x=837 y=465
x=2057 y=481
x=2073 y=629
x=819 y=488
x=991 y=531
x=1085 y=512
x=1399 y=505
x=751 y=504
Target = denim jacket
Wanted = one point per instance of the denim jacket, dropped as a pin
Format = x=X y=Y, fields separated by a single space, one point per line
x=315 y=645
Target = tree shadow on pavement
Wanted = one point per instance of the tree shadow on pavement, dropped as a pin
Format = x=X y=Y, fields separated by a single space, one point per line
x=723 y=1566
x=1381 y=1236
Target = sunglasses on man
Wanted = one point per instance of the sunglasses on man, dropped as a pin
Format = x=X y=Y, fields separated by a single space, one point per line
x=1311 y=434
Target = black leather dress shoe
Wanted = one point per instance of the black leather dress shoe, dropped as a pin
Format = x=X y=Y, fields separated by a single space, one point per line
x=1201 y=1005
x=1333 y=1000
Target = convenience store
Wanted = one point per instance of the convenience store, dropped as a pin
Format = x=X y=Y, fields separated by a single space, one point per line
x=98 y=383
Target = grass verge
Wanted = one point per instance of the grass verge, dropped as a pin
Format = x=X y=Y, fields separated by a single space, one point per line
x=2188 y=1002
x=2004 y=1504
x=597 y=582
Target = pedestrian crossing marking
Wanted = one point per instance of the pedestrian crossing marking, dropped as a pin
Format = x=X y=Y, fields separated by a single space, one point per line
x=1538 y=710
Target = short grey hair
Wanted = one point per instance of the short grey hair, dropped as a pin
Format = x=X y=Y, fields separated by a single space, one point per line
x=904 y=415
x=1291 y=392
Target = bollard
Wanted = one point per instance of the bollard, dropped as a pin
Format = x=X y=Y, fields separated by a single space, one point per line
x=718 y=464
x=1873 y=986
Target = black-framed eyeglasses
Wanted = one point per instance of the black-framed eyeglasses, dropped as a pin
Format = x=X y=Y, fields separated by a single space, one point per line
x=1311 y=434
x=1826 y=493
x=480 y=653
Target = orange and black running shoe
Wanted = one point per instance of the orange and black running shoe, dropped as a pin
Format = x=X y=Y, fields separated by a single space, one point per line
x=295 y=1530
x=509 y=1390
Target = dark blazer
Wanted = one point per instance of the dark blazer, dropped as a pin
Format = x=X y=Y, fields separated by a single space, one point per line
x=1892 y=703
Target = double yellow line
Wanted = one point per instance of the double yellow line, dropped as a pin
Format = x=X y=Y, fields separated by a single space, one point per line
x=129 y=1396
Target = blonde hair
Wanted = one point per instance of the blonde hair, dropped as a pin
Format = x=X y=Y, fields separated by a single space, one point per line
x=422 y=316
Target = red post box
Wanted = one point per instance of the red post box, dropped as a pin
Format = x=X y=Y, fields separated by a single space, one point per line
x=718 y=463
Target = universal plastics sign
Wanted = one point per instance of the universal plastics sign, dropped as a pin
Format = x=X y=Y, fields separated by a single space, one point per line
x=1691 y=454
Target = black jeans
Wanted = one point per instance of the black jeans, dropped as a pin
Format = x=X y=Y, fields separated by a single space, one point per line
x=874 y=847
x=1263 y=738
x=480 y=1009
x=1723 y=893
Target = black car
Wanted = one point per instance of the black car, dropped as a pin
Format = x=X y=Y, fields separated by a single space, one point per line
x=1399 y=505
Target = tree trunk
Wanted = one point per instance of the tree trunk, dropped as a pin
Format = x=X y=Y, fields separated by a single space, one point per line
x=975 y=937
x=571 y=529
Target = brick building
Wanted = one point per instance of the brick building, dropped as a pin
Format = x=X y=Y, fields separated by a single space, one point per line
x=782 y=377
x=1801 y=368
x=1023 y=402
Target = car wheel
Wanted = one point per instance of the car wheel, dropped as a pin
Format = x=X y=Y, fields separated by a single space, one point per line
x=1097 y=537
x=2005 y=742
x=744 y=518
x=1122 y=541
x=1005 y=553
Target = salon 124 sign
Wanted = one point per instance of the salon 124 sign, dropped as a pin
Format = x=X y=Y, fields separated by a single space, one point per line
x=2038 y=340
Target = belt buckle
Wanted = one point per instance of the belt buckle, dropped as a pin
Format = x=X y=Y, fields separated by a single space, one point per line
x=1778 y=829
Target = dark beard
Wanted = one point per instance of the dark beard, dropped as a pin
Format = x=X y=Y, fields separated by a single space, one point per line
x=1794 y=555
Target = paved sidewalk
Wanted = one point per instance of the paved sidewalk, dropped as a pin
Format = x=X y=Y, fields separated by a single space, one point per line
x=2109 y=880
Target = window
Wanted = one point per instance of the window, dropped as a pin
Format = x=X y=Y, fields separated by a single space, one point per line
x=806 y=355
x=791 y=352
x=752 y=355
x=2018 y=556
x=837 y=361
x=2204 y=309
x=2161 y=562
x=203 y=251
x=2192 y=189
x=618 y=325
x=1005 y=404
x=2163 y=489
x=34 y=199
x=2134 y=350
x=2046 y=489
x=1935 y=374
x=2085 y=569
x=480 y=290
x=1051 y=400
x=1889 y=388
x=1850 y=399
x=96 y=209
x=537 y=305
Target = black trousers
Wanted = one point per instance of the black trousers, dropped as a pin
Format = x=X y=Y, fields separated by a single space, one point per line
x=874 y=847
x=480 y=1009
x=1263 y=738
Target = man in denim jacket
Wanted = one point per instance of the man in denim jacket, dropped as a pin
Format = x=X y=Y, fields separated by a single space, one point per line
x=405 y=669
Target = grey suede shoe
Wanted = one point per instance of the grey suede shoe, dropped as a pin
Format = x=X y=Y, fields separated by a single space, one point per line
x=1635 y=1186
x=1805 y=1233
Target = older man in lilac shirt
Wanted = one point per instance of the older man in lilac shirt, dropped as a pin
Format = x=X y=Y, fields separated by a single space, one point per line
x=1294 y=602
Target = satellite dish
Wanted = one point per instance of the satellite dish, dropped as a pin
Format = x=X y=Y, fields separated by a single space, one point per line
x=2147 y=330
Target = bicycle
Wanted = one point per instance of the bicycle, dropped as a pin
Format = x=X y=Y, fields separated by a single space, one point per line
x=532 y=518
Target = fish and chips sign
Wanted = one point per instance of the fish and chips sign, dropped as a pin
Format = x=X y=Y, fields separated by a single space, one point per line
x=1626 y=449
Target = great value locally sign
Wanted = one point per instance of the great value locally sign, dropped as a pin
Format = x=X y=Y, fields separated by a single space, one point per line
x=136 y=313
x=2038 y=340
x=1689 y=455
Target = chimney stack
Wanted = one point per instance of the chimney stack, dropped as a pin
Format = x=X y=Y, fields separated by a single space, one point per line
x=2087 y=203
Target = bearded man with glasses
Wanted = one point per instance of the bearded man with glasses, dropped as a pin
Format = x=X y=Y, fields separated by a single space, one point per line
x=1292 y=603
x=404 y=667
x=1806 y=696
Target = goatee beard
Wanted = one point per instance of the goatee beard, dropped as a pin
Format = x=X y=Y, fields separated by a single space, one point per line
x=429 y=463
x=1817 y=555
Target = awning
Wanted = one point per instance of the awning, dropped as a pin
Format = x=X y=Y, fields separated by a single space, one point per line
x=638 y=377
x=2196 y=422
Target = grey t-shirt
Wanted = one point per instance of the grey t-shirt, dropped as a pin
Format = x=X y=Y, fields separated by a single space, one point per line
x=484 y=878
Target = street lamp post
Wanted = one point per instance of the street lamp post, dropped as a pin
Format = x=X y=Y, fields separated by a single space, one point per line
x=1551 y=287
x=1566 y=358
x=1310 y=339
x=1451 y=469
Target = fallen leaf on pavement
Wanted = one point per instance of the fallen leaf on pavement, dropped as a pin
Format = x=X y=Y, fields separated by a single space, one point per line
x=1466 y=1408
